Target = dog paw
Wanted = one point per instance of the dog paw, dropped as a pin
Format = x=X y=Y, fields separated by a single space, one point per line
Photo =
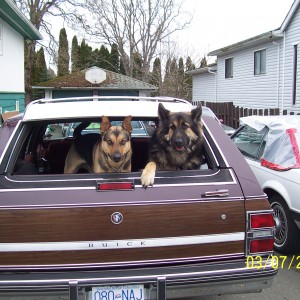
x=147 y=178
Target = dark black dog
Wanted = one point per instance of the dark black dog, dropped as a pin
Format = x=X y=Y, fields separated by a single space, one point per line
x=176 y=144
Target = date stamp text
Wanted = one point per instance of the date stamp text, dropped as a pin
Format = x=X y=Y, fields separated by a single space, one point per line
x=276 y=262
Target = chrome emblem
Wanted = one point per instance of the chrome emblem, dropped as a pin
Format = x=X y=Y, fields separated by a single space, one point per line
x=117 y=218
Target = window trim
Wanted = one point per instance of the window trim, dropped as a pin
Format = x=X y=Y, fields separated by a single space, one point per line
x=262 y=63
x=229 y=72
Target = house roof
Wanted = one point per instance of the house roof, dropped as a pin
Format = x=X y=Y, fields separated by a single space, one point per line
x=266 y=37
x=212 y=68
x=269 y=36
x=290 y=15
x=113 y=80
x=10 y=13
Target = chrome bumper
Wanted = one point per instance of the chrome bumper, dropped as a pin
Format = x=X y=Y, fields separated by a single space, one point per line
x=170 y=282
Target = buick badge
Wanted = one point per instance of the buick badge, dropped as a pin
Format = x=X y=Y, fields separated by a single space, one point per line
x=117 y=218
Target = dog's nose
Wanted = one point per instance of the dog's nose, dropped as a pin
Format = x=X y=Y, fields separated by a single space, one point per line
x=117 y=157
x=178 y=141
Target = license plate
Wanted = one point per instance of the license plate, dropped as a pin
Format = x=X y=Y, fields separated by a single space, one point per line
x=121 y=292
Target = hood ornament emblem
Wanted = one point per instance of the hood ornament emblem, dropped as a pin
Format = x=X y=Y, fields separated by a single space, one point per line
x=117 y=218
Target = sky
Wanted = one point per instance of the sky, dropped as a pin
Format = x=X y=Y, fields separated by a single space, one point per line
x=219 y=23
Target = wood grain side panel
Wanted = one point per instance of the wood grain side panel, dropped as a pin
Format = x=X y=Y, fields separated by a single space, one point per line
x=119 y=255
x=257 y=204
x=139 y=221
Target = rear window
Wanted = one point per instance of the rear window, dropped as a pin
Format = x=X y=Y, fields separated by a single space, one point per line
x=41 y=147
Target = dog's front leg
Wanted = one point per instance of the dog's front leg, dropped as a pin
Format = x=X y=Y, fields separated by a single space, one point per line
x=148 y=174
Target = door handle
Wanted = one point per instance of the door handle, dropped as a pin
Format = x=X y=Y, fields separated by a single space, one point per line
x=218 y=193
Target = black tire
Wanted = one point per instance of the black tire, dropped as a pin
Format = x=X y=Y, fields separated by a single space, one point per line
x=286 y=231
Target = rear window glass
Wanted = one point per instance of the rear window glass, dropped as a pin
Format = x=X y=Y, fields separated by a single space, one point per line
x=42 y=147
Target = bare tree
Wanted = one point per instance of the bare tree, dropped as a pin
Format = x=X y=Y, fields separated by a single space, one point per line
x=137 y=27
x=42 y=14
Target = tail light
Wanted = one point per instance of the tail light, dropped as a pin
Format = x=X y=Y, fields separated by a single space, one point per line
x=260 y=232
x=115 y=185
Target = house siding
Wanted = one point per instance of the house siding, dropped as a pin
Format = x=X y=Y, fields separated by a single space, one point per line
x=11 y=60
x=245 y=88
x=11 y=70
x=271 y=90
x=204 y=87
x=292 y=37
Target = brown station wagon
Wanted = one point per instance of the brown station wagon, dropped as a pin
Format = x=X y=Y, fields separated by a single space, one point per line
x=103 y=236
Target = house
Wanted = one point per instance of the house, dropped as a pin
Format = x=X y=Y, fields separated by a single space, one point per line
x=14 y=29
x=260 y=72
x=94 y=82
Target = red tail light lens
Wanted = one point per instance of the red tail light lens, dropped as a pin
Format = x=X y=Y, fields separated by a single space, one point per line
x=260 y=232
x=261 y=221
x=112 y=186
x=263 y=245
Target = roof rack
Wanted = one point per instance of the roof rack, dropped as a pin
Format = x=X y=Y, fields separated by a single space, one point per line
x=107 y=98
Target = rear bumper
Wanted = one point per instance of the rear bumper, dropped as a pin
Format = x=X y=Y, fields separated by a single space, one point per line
x=159 y=282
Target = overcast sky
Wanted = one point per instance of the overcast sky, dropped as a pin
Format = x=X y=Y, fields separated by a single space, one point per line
x=218 y=23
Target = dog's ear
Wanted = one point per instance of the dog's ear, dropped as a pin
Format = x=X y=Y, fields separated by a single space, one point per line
x=163 y=113
x=127 y=124
x=196 y=113
x=105 y=125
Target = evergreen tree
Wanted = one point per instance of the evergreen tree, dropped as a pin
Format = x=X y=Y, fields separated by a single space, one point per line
x=167 y=79
x=189 y=64
x=167 y=70
x=155 y=76
x=114 y=58
x=86 y=57
x=104 y=58
x=63 y=54
x=180 y=78
x=122 y=69
x=188 y=80
x=75 y=55
x=40 y=73
x=203 y=62
x=50 y=74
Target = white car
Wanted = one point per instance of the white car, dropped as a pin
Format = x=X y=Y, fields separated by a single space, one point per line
x=271 y=146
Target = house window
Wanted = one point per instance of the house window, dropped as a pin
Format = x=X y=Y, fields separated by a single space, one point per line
x=229 y=68
x=260 y=62
x=295 y=62
x=1 y=38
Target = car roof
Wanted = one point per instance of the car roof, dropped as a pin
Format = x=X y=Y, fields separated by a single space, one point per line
x=66 y=108
x=281 y=122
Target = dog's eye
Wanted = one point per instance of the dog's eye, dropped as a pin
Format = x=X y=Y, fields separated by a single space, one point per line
x=109 y=142
x=123 y=142
x=185 y=126
x=173 y=127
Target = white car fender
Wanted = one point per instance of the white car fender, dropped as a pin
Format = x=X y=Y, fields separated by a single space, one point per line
x=279 y=188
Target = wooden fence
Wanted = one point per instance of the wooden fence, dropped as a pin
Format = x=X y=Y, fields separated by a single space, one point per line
x=231 y=114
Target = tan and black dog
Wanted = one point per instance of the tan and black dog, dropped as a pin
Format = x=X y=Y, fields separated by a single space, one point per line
x=110 y=153
x=176 y=143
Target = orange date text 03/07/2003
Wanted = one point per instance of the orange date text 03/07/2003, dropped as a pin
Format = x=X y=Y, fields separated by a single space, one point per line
x=276 y=261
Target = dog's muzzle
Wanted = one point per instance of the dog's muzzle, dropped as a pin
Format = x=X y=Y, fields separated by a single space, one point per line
x=117 y=157
x=179 y=144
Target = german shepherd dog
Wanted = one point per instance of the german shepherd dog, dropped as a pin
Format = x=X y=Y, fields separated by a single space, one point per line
x=176 y=143
x=110 y=153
